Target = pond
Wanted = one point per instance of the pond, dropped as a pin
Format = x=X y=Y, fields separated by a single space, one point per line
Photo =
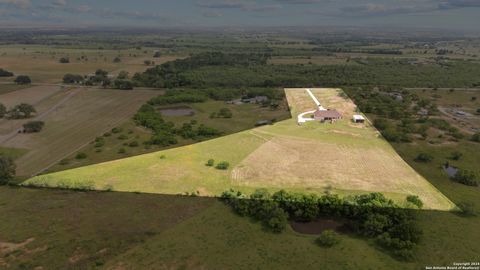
x=318 y=226
x=177 y=111
x=451 y=171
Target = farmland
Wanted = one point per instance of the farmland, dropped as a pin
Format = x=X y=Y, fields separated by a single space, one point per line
x=42 y=64
x=292 y=153
x=58 y=228
x=73 y=116
x=244 y=117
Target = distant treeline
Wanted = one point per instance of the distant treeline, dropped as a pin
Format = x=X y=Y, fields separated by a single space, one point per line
x=250 y=70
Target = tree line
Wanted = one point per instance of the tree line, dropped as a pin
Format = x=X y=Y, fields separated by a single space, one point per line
x=370 y=215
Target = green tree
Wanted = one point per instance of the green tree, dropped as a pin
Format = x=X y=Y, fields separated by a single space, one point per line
x=466 y=177
x=424 y=157
x=33 y=126
x=7 y=170
x=23 y=79
x=81 y=156
x=277 y=220
x=4 y=73
x=21 y=111
x=223 y=165
x=210 y=163
x=415 y=200
x=327 y=238
x=72 y=78
x=64 y=60
x=122 y=75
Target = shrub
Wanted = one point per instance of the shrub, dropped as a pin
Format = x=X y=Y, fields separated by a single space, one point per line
x=33 y=126
x=64 y=161
x=133 y=144
x=21 y=111
x=123 y=137
x=223 y=165
x=122 y=151
x=277 y=222
x=81 y=156
x=4 y=73
x=327 y=238
x=108 y=134
x=476 y=137
x=466 y=177
x=72 y=78
x=456 y=155
x=468 y=209
x=163 y=157
x=210 y=163
x=415 y=200
x=424 y=157
x=64 y=60
x=22 y=79
x=7 y=170
x=117 y=130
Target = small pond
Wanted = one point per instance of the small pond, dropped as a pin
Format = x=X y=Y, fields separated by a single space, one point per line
x=177 y=111
x=318 y=226
x=451 y=171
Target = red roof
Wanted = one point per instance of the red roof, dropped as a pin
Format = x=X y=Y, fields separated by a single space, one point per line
x=333 y=114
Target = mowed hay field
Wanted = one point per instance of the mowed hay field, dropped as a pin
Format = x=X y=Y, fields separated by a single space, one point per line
x=73 y=118
x=344 y=158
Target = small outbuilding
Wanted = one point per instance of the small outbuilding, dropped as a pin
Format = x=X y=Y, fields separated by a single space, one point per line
x=357 y=118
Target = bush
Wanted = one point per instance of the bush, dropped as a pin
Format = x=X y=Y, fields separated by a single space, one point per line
x=64 y=60
x=4 y=73
x=468 y=209
x=277 y=221
x=210 y=163
x=424 y=157
x=22 y=79
x=223 y=165
x=122 y=151
x=117 y=130
x=133 y=144
x=7 y=170
x=123 y=84
x=33 y=126
x=456 y=155
x=415 y=200
x=72 y=78
x=81 y=156
x=476 y=137
x=21 y=111
x=122 y=137
x=466 y=177
x=327 y=238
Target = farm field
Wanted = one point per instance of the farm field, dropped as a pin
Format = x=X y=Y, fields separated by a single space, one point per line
x=73 y=117
x=244 y=117
x=343 y=158
x=42 y=64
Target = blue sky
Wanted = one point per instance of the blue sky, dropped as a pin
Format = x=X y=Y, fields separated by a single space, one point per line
x=448 y=14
